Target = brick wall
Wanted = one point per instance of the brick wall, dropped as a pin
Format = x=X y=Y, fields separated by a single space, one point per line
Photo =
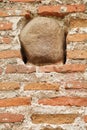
x=49 y=97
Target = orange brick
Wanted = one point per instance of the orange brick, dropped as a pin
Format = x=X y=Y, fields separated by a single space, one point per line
x=5 y=26
x=20 y=69
x=76 y=85
x=13 y=12
x=24 y=0
x=85 y=118
x=64 y=68
x=74 y=23
x=17 y=101
x=9 y=86
x=41 y=86
x=64 y=101
x=77 y=54
x=10 y=54
x=53 y=118
x=11 y=118
x=77 y=38
x=60 y=10
x=6 y=40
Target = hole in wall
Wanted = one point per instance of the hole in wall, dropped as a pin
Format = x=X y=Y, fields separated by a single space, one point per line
x=43 y=41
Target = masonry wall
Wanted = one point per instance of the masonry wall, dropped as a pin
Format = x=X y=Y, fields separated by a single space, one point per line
x=51 y=97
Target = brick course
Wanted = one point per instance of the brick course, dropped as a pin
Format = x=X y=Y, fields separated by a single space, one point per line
x=60 y=10
x=5 y=26
x=17 y=101
x=20 y=69
x=64 y=101
x=11 y=118
x=9 y=86
x=10 y=54
x=53 y=119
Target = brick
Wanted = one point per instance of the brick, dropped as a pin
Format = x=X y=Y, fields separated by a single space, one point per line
x=60 y=10
x=71 y=68
x=0 y=71
x=64 y=101
x=10 y=54
x=6 y=40
x=58 y=128
x=20 y=69
x=77 y=54
x=11 y=118
x=47 y=68
x=64 y=68
x=85 y=118
x=76 y=85
x=17 y=101
x=77 y=38
x=74 y=23
x=5 y=26
x=13 y=12
x=41 y=86
x=24 y=0
x=9 y=86
x=53 y=118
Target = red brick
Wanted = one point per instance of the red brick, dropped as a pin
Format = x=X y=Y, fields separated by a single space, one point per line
x=10 y=54
x=64 y=68
x=60 y=10
x=20 y=69
x=41 y=86
x=77 y=38
x=85 y=118
x=64 y=101
x=6 y=40
x=11 y=118
x=9 y=86
x=77 y=54
x=24 y=0
x=74 y=23
x=53 y=118
x=17 y=101
x=76 y=85
x=5 y=26
x=13 y=12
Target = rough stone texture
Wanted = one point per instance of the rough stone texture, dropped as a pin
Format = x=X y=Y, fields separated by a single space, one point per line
x=42 y=41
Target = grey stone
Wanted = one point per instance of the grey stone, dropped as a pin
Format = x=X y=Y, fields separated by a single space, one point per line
x=42 y=41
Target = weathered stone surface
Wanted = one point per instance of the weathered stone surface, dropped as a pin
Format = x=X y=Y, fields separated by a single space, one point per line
x=42 y=41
